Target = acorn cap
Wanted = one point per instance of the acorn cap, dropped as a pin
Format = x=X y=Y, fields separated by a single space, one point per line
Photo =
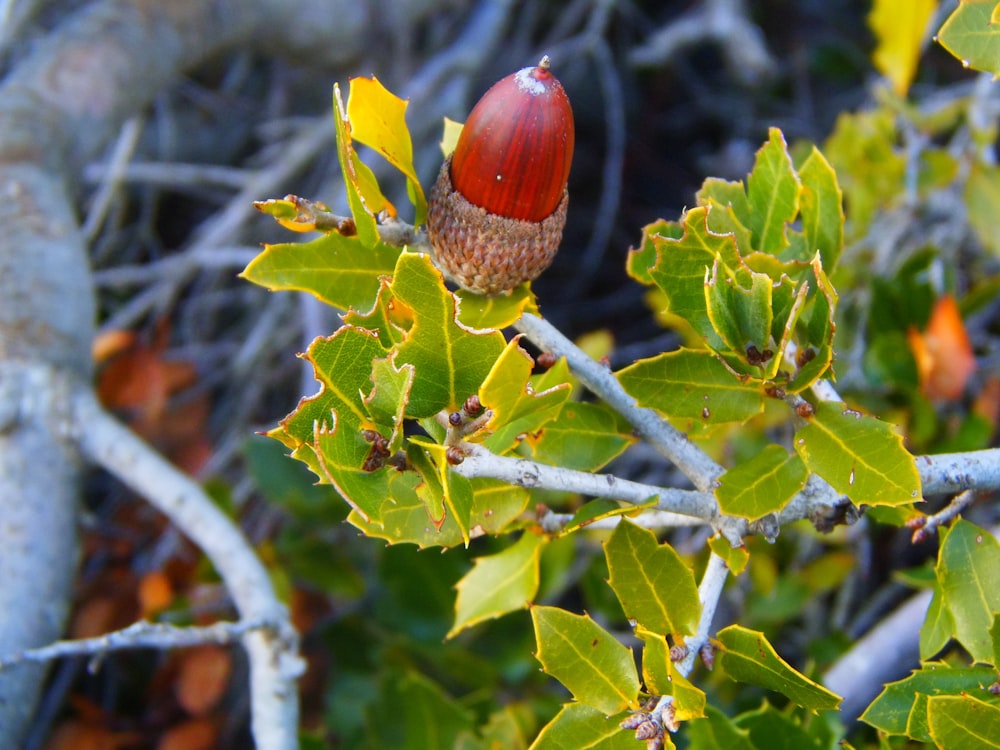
x=484 y=252
x=498 y=207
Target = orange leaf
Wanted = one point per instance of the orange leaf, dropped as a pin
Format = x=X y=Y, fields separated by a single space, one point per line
x=203 y=678
x=944 y=356
x=155 y=593
x=196 y=734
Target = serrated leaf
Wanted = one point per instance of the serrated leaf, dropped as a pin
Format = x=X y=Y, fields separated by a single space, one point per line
x=580 y=727
x=641 y=259
x=451 y=361
x=821 y=204
x=692 y=384
x=741 y=315
x=899 y=29
x=503 y=310
x=342 y=453
x=388 y=398
x=378 y=119
x=736 y=557
x=516 y=408
x=342 y=363
x=682 y=265
x=860 y=456
x=773 y=192
x=761 y=485
x=963 y=723
x=363 y=193
x=444 y=492
x=718 y=732
x=586 y=659
x=728 y=195
x=662 y=677
x=820 y=328
x=970 y=35
x=969 y=571
x=404 y=517
x=584 y=436
x=653 y=584
x=891 y=711
x=337 y=270
x=747 y=656
x=498 y=584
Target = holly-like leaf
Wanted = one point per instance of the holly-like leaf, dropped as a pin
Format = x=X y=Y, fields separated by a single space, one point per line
x=736 y=557
x=815 y=355
x=718 y=732
x=503 y=310
x=773 y=192
x=337 y=270
x=450 y=360
x=892 y=711
x=498 y=584
x=643 y=258
x=860 y=456
x=585 y=437
x=821 y=204
x=388 y=398
x=938 y=626
x=692 y=384
x=444 y=492
x=683 y=264
x=967 y=567
x=653 y=584
x=588 y=660
x=578 y=726
x=342 y=453
x=761 y=485
x=516 y=408
x=970 y=34
x=363 y=193
x=727 y=195
x=342 y=363
x=741 y=315
x=747 y=656
x=960 y=722
x=662 y=677
x=899 y=30
x=378 y=119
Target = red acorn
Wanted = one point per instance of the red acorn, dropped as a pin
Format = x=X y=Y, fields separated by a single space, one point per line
x=498 y=207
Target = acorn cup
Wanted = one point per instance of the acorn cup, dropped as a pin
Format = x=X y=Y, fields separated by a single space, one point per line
x=498 y=208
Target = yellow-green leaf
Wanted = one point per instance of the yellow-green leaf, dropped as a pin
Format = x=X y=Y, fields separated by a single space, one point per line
x=761 y=485
x=899 y=27
x=968 y=569
x=587 y=659
x=500 y=311
x=860 y=456
x=585 y=437
x=579 y=727
x=342 y=453
x=378 y=119
x=747 y=656
x=971 y=35
x=822 y=208
x=653 y=584
x=736 y=557
x=960 y=722
x=773 y=192
x=445 y=493
x=498 y=584
x=662 y=677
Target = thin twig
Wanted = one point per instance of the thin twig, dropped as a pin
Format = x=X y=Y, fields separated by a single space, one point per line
x=924 y=527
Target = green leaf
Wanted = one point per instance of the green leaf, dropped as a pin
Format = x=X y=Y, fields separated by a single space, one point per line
x=891 y=711
x=585 y=437
x=970 y=35
x=963 y=723
x=451 y=361
x=363 y=193
x=732 y=198
x=588 y=660
x=425 y=715
x=498 y=584
x=378 y=119
x=820 y=328
x=580 y=727
x=860 y=456
x=762 y=485
x=651 y=581
x=821 y=205
x=899 y=29
x=342 y=454
x=938 y=626
x=342 y=363
x=503 y=310
x=388 y=398
x=599 y=509
x=982 y=202
x=741 y=315
x=773 y=192
x=692 y=384
x=774 y=730
x=662 y=677
x=718 y=732
x=444 y=492
x=968 y=565
x=995 y=638
x=337 y=270
x=643 y=258
x=736 y=557
x=516 y=408
x=747 y=656
x=682 y=266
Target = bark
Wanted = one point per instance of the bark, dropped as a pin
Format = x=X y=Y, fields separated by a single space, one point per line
x=59 y=108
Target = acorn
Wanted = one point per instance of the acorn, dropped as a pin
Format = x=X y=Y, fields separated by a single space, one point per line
x=498 y=208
